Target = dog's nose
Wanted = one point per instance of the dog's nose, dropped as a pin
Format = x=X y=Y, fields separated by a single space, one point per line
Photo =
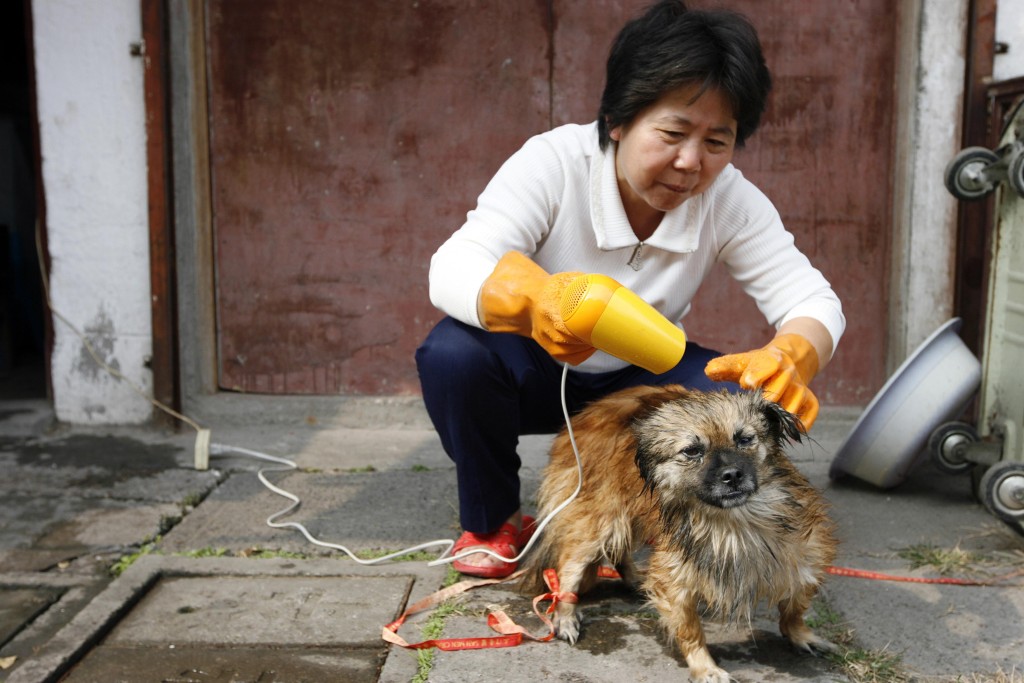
x=731 y=476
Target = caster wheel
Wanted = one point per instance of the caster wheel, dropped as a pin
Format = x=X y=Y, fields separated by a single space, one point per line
x=945 y=446
x=965 y=175
x=1015 y=173
x=1001 y=490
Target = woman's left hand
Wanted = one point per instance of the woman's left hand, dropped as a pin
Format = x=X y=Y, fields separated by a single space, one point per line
x=783 y=369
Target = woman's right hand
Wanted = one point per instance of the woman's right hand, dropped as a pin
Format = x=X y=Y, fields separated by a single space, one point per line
x=521 y=297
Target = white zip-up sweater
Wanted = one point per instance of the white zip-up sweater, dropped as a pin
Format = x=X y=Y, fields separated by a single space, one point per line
x=557 y=201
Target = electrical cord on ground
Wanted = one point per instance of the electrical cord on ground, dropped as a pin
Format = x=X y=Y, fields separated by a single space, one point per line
x=445 y=556
x=287 y=466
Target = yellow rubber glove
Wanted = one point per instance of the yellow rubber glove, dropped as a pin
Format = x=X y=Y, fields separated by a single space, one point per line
x=782 y=370
x=521 y=297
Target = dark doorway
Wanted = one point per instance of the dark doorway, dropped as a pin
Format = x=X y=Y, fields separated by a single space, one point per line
x=22 y=366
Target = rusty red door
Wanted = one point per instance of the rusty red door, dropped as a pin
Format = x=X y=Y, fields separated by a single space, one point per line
x=348 y=140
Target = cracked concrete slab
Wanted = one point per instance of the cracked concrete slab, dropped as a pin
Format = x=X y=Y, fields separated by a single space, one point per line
x=213 y=611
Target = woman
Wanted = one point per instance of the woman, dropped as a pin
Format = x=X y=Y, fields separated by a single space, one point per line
x=646 y=195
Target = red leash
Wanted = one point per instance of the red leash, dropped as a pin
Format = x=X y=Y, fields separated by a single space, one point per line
x=878 y=576
x=512 y=634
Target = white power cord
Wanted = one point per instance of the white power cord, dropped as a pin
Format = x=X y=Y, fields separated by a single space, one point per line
x=445 y=557
x=288 y=465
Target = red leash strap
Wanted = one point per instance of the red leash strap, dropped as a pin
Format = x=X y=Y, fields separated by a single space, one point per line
x=502 y=623
x=512 y=634
x=878 y=576
x=390 y=632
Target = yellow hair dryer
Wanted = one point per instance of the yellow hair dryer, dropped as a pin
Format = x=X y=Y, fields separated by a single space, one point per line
x=610 y=317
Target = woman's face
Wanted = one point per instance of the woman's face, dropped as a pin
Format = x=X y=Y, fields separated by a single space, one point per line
x=673 y=150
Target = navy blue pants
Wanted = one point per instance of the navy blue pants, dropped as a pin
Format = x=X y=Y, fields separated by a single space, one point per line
x=483 y=389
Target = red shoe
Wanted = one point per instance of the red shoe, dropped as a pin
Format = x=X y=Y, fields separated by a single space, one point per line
x=506 y=541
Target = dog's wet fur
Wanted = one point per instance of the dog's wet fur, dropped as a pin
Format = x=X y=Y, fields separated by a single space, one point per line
x=703 y=477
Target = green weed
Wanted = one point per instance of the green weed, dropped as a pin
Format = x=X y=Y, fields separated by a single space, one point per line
x=943 y=560
x=433 y=628
x=204 y=552
x=125 y=561
x=191 y=500
x=418 y=556
x=871 y=666
x=828 y=623
x=266 y=554
x=859 y=665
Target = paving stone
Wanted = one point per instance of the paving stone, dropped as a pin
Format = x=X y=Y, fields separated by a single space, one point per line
x=19 y=606
x=298 y=615
x=272 y=611
x=35 y=606
x=112 y=664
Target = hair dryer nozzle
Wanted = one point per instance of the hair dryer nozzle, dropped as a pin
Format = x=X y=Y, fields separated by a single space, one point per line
x=610 y=317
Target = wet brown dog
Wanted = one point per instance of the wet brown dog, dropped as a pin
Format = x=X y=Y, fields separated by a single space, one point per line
x=703 y=476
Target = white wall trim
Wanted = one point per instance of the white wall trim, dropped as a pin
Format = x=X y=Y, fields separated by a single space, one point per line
x=93 y=155
x=931 y=44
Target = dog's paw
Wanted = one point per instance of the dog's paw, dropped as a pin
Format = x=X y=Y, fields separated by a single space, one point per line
x=710 y=675
x=814 y=644
x=568 y=628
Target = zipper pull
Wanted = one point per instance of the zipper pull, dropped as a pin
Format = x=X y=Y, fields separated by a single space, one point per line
x=636 y=261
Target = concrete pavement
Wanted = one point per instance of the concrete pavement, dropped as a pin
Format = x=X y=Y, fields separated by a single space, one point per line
x=209 y=592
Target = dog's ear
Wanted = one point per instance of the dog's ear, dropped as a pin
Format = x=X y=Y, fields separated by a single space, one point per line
x=784 y=425
x=644 y=456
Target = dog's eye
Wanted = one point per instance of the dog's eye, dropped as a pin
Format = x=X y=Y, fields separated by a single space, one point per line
x=744 y=440
x=694 y=452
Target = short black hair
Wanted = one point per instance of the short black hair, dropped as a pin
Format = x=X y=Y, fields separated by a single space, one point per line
x=670 y=46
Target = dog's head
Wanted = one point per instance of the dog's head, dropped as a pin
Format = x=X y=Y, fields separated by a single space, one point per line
x=715 y=447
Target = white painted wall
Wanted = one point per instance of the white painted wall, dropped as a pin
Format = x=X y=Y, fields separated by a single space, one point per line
x=929 y=112
x=1009 y=30
x=92 y=139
